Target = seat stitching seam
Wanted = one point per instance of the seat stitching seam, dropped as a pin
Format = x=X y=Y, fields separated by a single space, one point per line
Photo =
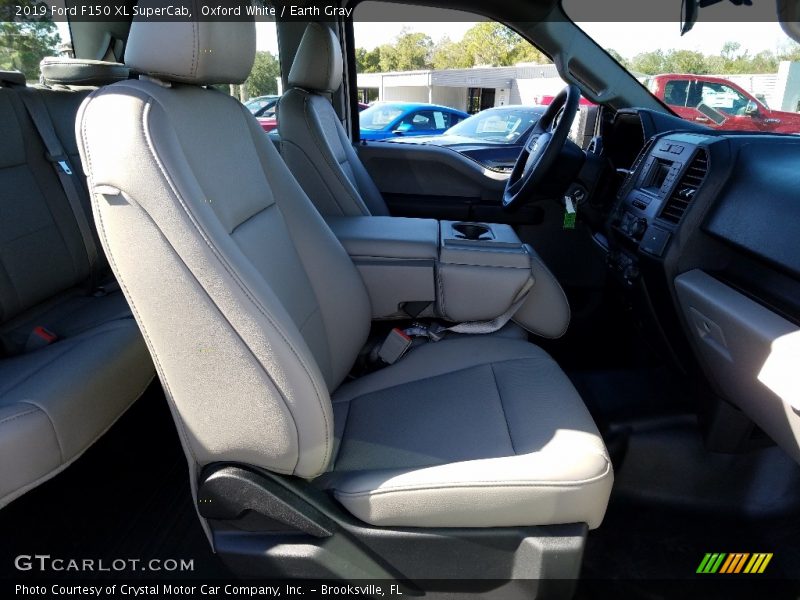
x=397 y=385
x=318 y=172
x=20 y=415
x=503 y=408
x=253 y=216
x=483 y=484
x=344 y=432
x=52 y=426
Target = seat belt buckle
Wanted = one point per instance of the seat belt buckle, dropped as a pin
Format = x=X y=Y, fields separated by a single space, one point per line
x=39 y=338
x=394 y=346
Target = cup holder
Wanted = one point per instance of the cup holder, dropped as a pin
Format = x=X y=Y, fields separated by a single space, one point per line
x=472 y=231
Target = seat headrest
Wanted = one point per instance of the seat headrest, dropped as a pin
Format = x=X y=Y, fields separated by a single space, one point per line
x=317 y=65
x=58 y=70
x=196 y=52
x=12 y=77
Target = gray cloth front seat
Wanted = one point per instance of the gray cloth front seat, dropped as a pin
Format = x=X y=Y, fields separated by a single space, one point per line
x=254 y=314
x=314 y=144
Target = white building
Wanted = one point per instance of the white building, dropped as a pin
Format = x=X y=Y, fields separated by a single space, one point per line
x=470 y=90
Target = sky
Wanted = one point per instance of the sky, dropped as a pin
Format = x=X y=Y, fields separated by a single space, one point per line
x=705 y=37
x=622 y=37
x=628 y=41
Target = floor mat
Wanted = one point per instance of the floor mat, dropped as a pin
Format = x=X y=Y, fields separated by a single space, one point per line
x=674 y=502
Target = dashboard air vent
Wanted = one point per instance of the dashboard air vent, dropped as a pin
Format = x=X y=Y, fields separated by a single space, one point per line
x=687 y=187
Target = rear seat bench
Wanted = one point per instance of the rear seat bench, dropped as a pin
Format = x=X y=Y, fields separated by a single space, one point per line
x=72 y=359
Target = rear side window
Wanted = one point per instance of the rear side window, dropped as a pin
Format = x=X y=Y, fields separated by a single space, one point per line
x=23 y=44
x=676 y=92
x=429 y=120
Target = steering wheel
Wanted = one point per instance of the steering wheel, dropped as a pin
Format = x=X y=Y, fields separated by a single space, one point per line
x=543 y=146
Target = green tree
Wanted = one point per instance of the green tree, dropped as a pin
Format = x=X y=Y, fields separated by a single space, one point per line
x=618 y=57
x=448 y=54
x=368 y=61
x=24 y=44
x=685 y=61
x=490 y=43
x=262 y=80
x=525 y=52
x=789 y=51
x=411 y=51
x=649 y=63
x=730 y=51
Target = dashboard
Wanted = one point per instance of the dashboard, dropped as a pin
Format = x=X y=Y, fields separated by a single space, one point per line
x=703 y=237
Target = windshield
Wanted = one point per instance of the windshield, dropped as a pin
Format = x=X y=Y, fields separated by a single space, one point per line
x=724 y=73
x=379 y=116
x=497 y=125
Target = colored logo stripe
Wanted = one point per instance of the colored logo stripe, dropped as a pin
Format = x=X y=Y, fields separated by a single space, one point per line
x=758 y=563
x=737 y=562
x=711 y=563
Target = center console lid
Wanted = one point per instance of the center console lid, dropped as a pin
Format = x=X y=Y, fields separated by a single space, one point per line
x=387 y=237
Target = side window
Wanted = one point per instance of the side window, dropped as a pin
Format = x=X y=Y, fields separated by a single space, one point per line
x=676 y=92
x=261 y=91
x=723 y=98
x=421 y=120
x=445 y=57
x=444 y=120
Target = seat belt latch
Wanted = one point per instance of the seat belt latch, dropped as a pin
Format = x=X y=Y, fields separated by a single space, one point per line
x=61 y=161
x=39 y=338
x=394 y=346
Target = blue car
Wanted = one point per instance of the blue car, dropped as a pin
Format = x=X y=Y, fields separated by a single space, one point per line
x=395 y=119
x=494 y=137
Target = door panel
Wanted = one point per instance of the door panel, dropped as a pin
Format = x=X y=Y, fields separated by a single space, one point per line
x=438 y=183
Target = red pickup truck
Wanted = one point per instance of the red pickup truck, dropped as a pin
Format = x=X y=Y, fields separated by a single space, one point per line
x=719 y=103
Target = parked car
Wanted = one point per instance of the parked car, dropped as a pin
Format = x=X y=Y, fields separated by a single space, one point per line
x=390 y=119
x=269 y=120
x=719 y=103
x=494 y=137
x=261 y=105
x=547 y=100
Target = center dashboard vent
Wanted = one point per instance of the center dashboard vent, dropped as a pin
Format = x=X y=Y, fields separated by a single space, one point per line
x=687 y=187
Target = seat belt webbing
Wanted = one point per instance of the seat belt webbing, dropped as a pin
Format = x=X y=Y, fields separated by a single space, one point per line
x=66 y=177
x=484 y=327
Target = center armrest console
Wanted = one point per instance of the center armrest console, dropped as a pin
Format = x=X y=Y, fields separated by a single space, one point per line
x=481 y=269
x=396 y=258
x=463 y=271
